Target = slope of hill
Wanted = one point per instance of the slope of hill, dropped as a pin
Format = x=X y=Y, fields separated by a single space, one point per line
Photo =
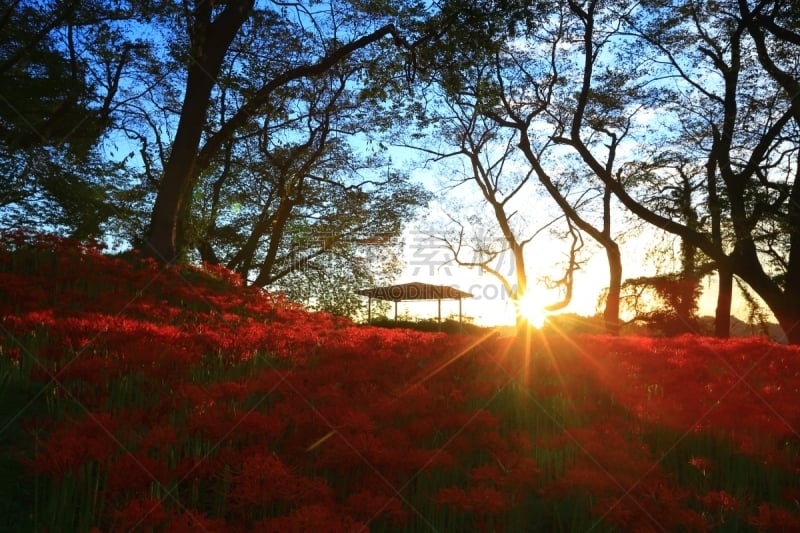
x=138 y=397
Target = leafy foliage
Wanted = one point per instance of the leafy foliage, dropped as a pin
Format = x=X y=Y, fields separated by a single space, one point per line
x=668 y=303
x=94 y=97
x=51 y=123
x=211 y=130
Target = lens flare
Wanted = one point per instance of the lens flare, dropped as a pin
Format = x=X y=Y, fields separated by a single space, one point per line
x=532 y=311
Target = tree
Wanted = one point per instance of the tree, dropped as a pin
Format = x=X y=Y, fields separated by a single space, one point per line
x=329 y=281
x=504 y=190
x=46 y=93
x=668 y=300
x=513 y=73
x=54 y=113
x=295 y=190
x=726 y=73
x=212 y=31
x=228 y=133
x=731 y=71
x=294 y=193
x=722 y=74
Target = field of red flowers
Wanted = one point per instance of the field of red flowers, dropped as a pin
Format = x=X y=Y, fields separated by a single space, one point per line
x=141 y=398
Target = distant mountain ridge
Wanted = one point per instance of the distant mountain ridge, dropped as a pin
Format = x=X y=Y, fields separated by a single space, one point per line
x=740 y=328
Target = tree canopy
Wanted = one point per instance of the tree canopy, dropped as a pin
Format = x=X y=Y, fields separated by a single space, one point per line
x=254 y=134
x=241 y=133
x=648 y=100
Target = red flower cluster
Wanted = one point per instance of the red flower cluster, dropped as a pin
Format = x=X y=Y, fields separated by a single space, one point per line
x=175 y=399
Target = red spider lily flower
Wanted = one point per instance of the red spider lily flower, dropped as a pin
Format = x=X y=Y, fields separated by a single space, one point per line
x=140 y=514
x=487 y=474
x=520 y=441
x=11 y=352
x=485 y=420
x=160 y=437
x=90 y=369
x=454 y=395
x=582 y=478
x=347 y=417
x=718 y=500
x=703 y=464
x=523 y=476
x=195 y=468
x=254 y=425
x=415 y=460
x=554 y=442
x=370 y=505
x=791 y=495
x=774 y=518
x=68 y=447
x=637 y=512
x=312 y=518
x=229 y=391
x=192 y=521
x=485 y=501
x=344 y=452
x=627 y=514
x=135 y=473
x=263 y=478
x=20 y=293
x=212 y=423
x=267 y=381
x=420 y=429
x=45 y=318
x=453 y=496
x=192 y=396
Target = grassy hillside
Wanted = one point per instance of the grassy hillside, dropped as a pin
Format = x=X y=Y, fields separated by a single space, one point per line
x=142 y=398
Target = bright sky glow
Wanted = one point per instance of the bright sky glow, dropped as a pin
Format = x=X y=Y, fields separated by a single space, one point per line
x=533 y=311
x=491 y=305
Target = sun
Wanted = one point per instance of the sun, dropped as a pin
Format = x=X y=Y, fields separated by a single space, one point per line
x=530 y=307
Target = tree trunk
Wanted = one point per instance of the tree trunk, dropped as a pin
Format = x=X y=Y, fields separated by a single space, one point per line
x=210 y=42
x=783 y=304
x=611 y=311
x=522 y=284
x=207 y=253
x=722 y=317
x=790 y=324
x=277 y=230
x=243 y=259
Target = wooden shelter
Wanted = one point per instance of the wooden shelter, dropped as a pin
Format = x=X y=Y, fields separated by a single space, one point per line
x=414 y=291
